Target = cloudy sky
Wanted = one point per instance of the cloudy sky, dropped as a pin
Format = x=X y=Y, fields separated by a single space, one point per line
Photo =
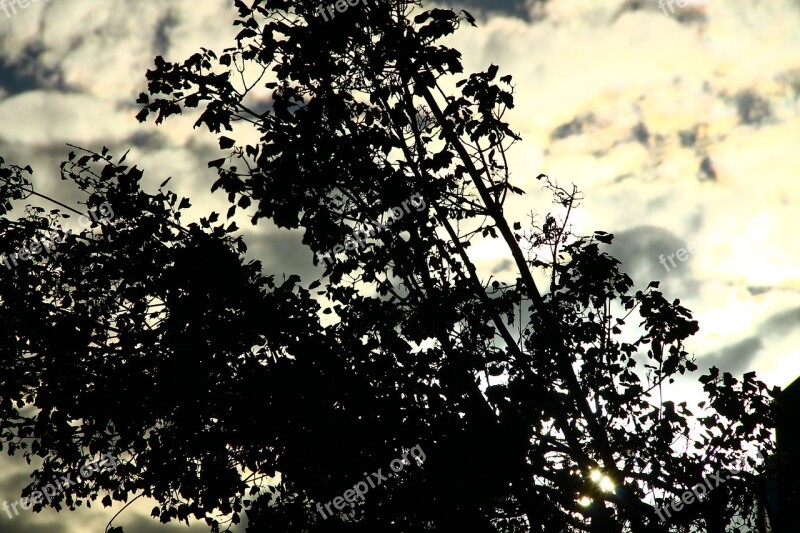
x=680 y=128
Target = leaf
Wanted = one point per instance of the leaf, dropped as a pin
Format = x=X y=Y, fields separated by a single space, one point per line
x=216 y=163
x=192 y=101
x=226 y=142
x=108 y=171
x=603 y=237
x=495 y=370
x=469 y=17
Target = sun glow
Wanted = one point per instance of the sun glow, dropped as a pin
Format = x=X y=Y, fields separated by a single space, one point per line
x=602 y=481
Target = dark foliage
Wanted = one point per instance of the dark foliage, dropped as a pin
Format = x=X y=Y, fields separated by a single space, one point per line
x=155 y=340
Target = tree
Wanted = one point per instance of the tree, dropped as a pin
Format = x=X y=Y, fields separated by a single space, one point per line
x=158 y=342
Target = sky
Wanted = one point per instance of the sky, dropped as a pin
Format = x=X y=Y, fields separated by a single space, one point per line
x=682 y=130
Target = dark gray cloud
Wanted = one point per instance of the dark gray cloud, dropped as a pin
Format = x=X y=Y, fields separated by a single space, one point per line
x=639 y=250
x=161 y=41
x=14 y=80
x=484 y=8
x=504 y=265
x=782 y=323
x=140 y=524
x=14 y=483
x=281 y=251
x=735 y=358
x=23 y=525
x=738 y=357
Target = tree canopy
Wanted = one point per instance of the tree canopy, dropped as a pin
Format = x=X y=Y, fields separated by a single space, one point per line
x=222 y=389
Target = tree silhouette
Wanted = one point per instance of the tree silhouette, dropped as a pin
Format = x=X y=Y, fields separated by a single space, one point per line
x=222 y=390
